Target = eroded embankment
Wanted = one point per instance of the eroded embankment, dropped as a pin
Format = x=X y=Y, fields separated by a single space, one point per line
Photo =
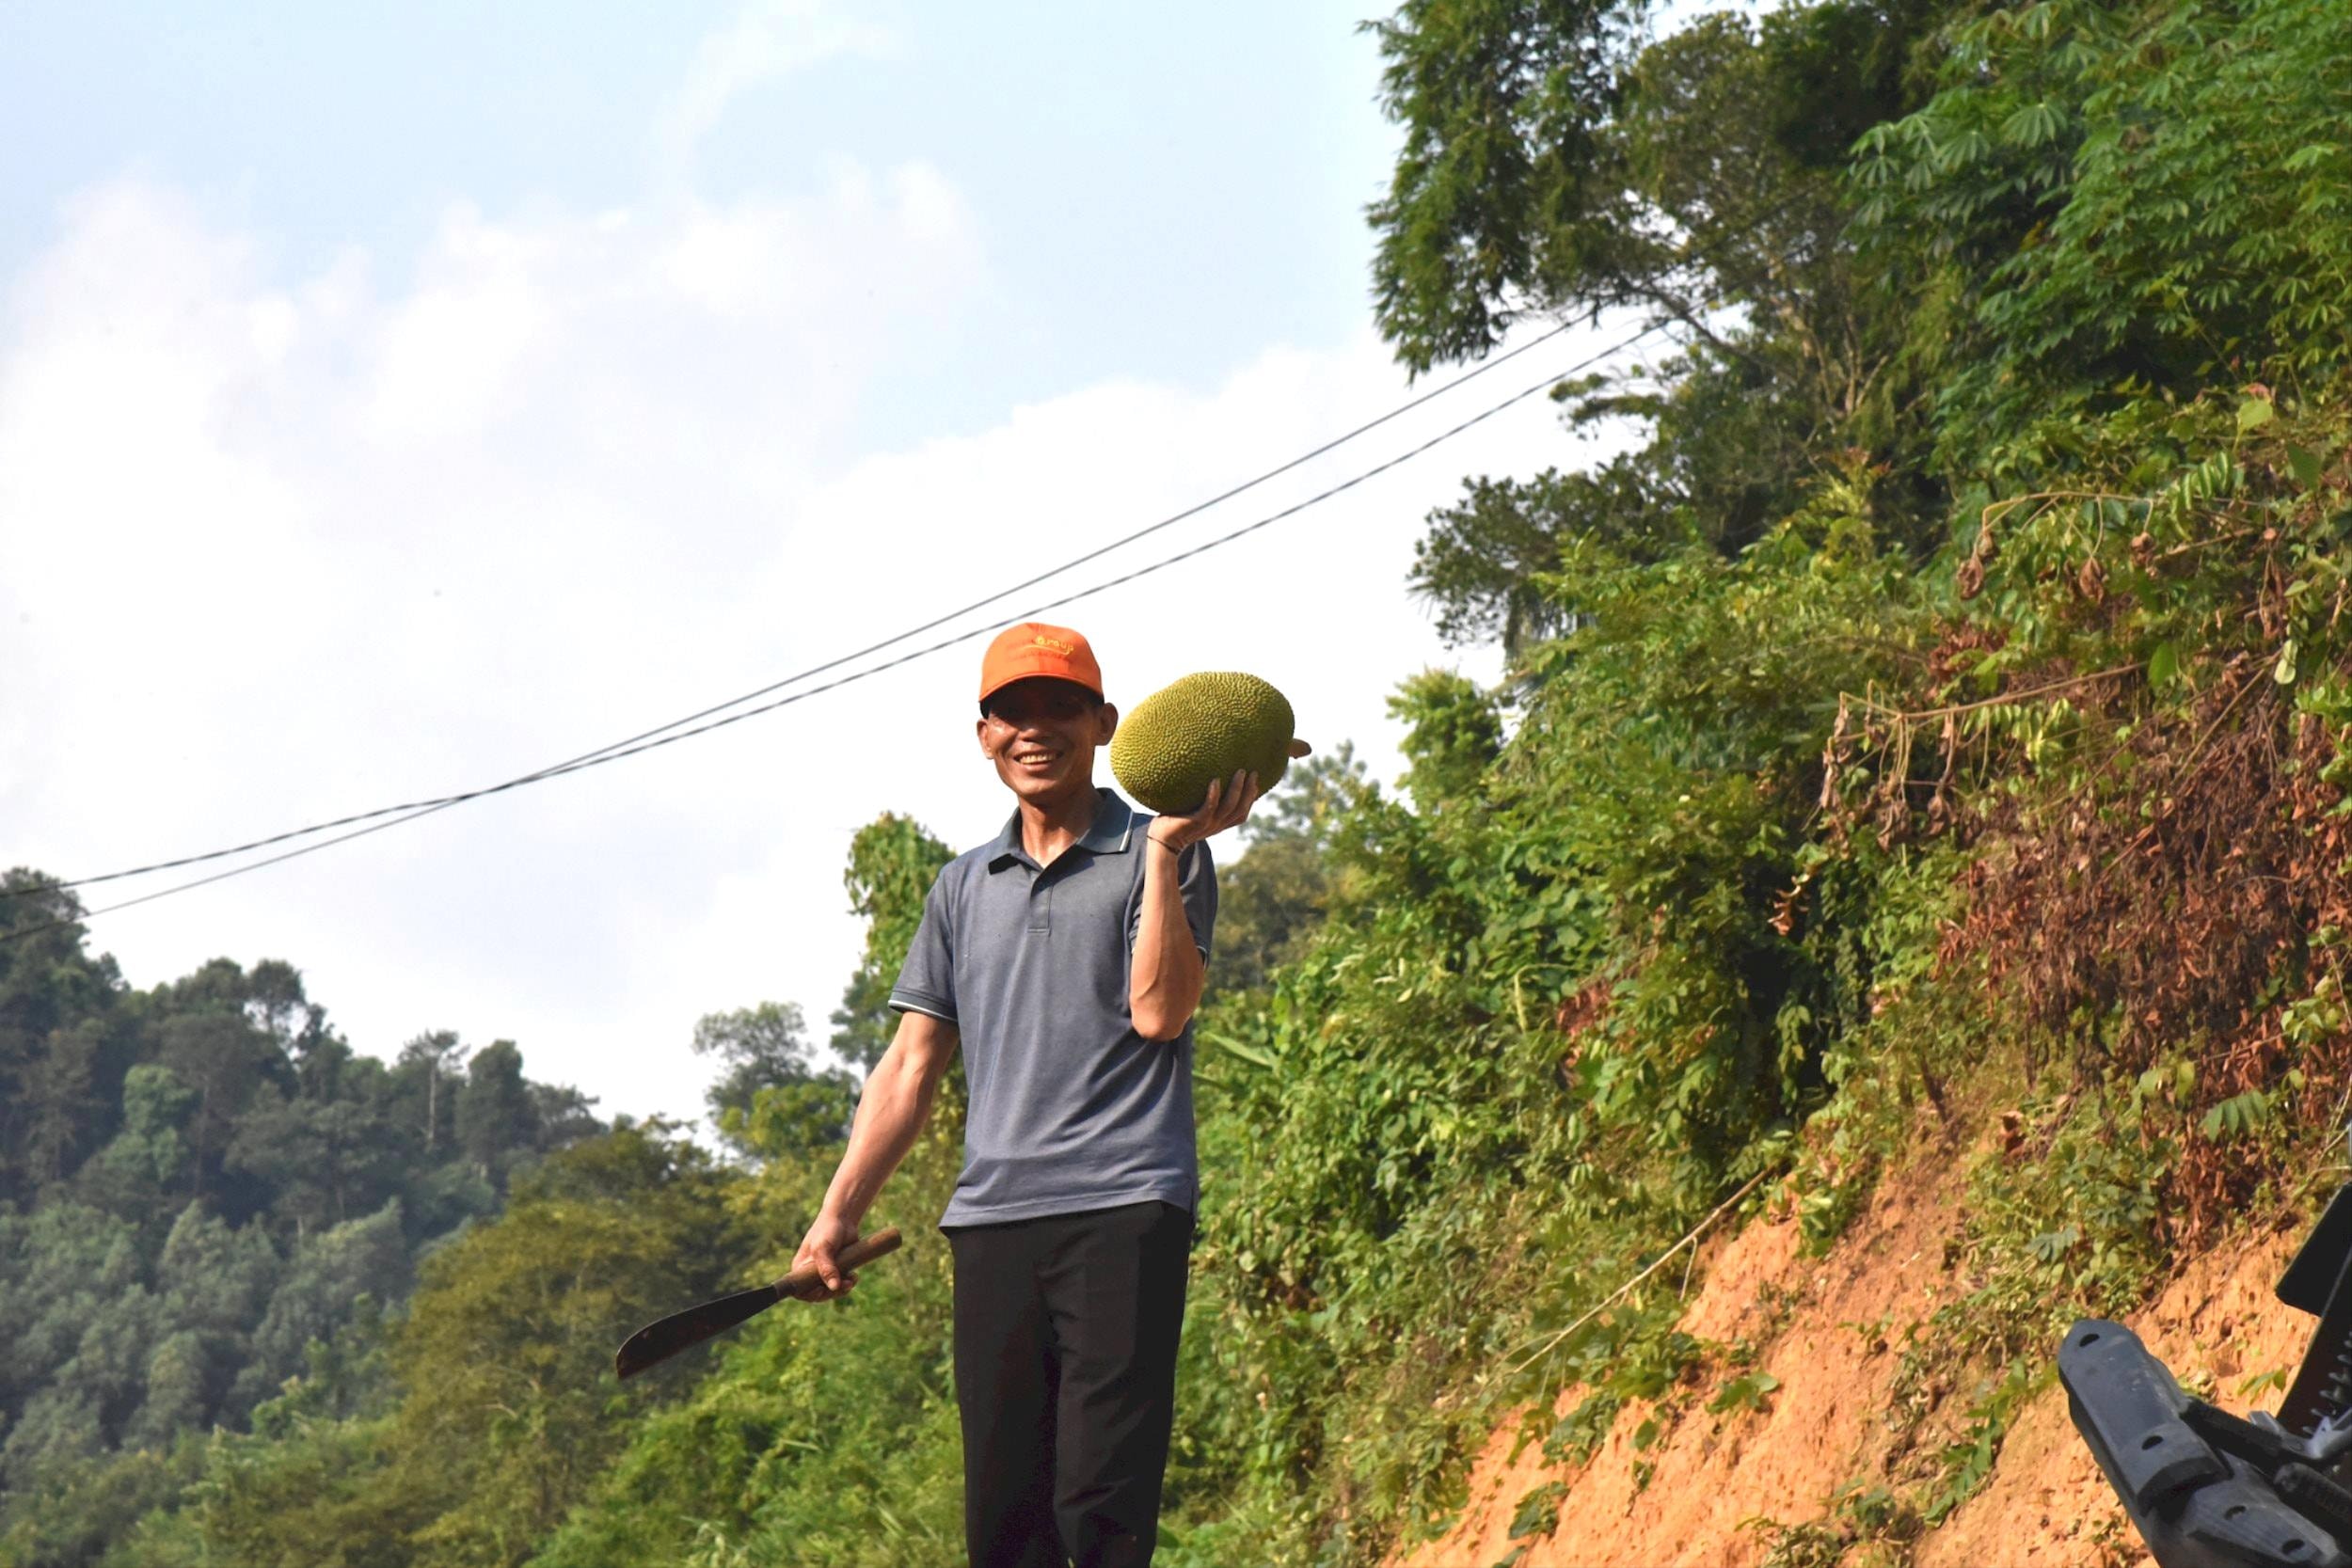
x=1738 y=1488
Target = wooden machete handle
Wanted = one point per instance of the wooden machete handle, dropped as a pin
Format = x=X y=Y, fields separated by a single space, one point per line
x=802 y=1283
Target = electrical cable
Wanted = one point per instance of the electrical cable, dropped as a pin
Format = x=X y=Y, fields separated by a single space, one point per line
x=390 y=816
x=554 y=770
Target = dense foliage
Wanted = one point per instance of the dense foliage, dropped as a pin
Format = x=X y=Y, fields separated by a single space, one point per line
x=1941 y=712
x=199 y=1184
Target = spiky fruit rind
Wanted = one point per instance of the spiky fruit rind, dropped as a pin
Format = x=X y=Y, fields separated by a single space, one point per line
x=1207 y=726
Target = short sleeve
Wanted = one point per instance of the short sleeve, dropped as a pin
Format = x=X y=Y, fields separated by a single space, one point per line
x=1196 y=882
x=927 y=981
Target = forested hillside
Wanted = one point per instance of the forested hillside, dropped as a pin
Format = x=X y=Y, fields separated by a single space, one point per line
x=201 y=1187
x=1926 y=748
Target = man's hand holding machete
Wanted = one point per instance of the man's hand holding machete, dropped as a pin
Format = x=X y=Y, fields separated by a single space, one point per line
x=890 y=1113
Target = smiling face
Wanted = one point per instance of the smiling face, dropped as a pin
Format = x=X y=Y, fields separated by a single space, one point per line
x=1041 y=733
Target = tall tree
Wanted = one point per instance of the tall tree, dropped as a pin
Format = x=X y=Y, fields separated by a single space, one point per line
x=1453 y=733
x=1556 y=160
x=324 y=1159
x=47 y=983
x=68 y=1100
x=430 y=1058
x=562 y=1115
x=223 y=1059
x=767 y=1068
x=893 y=862
x=150 y=1154
x=275 y=1001
x=1560 y=163
x=495 y=1124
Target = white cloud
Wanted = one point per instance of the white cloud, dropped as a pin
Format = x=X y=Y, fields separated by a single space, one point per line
x=276 y=548
x=766 y=41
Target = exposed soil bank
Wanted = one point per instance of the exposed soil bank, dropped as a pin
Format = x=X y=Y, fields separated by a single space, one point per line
x=1712 y=1489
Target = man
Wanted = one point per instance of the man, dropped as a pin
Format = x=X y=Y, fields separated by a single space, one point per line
x=1065 y=958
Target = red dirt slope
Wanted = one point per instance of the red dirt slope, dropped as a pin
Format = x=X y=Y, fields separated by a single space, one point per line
x=1826 y=1327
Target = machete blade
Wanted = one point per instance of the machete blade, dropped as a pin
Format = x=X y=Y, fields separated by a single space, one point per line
x=660 y=1340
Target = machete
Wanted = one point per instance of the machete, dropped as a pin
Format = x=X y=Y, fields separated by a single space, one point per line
x=661 y=1339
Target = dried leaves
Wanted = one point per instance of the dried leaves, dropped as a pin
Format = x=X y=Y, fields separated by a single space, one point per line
x=2165 y=907
x=2172 y=911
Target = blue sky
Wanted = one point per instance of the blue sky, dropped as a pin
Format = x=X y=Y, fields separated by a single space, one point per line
x=395 y=402
x=1156 y=188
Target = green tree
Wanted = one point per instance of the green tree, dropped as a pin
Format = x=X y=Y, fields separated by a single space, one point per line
x=57 y=1266
x=325 y=1286
x=428 y=1061
x=276 y=1001
x=47 y=984
x=60 y=1424
x=495 y=1124
x=324 y=1159
x=311 y=1495
x=1505 y=109
x=562 y=1115
x=769 y=1073
x=1273 y=899
x=186 y=1375
x=893 y=862
x=68 y=1099
x=2081 y=196
x=1479 y=563
x=223 y=1059
x=1555 y=160
x=323 y=1061
x=81 y=1515
x=755 y=1047
x=1558 y=162
x=213 y=1277
x=151 y=1151
x=1454 y=733
x=505 y=1409
x=508 y=1412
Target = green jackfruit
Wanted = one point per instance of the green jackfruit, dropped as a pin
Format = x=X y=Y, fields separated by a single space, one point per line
x=1206 y=726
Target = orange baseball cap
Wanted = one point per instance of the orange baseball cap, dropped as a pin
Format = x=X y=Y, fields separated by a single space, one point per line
x=1034 y=649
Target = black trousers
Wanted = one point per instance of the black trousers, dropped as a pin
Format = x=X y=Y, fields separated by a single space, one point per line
x=1066 y=1332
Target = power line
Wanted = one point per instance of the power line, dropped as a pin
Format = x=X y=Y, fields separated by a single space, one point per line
x=390 y=816
x=418 y=807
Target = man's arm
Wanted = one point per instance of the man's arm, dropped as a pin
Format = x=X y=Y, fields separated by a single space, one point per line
x=1166 y=975
x=890 y=1113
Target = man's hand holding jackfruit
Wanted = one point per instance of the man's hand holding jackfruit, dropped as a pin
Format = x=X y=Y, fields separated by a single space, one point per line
x=1227 y=806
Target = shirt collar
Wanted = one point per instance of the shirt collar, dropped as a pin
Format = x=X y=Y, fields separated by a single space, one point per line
x=1114 y=825
x=1113 y=821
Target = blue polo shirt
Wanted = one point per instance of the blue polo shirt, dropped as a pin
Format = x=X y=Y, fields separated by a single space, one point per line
x=1072 y=1109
